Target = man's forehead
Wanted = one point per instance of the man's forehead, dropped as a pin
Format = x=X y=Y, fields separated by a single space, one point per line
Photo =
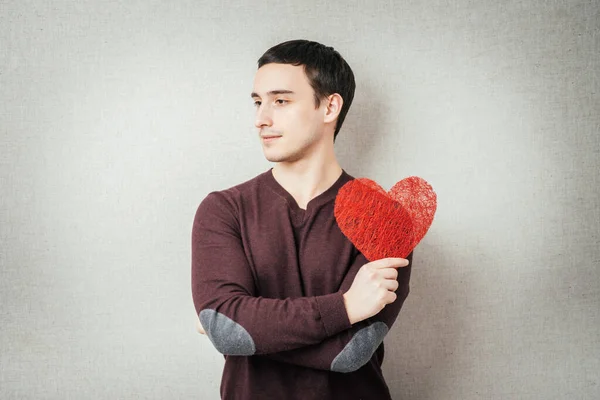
x=279 y=77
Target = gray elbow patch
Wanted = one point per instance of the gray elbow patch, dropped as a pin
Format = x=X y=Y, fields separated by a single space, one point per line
x=228 y=337
x=360 y=348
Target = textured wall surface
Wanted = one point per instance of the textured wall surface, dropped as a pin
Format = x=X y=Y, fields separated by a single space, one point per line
x=118 y=117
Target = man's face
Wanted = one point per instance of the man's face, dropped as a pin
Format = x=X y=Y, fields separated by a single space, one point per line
x=288 y=123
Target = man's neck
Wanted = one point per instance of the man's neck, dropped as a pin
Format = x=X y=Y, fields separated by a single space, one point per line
x=306 y=179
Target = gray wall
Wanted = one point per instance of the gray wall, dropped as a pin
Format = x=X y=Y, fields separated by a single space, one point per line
x=118 y=117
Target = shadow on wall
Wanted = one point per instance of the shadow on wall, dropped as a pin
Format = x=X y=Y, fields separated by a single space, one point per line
x=422 y=347
x=356 y=144
x=422 y=343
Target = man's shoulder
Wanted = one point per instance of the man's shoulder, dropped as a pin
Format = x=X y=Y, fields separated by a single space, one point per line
x=249 y=185
x=231 y=197
x=243 y=188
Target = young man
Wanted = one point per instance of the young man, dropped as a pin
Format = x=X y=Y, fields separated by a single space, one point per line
x=297 y=310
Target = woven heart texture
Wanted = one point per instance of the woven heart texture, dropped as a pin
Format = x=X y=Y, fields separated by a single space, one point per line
x=385 y=224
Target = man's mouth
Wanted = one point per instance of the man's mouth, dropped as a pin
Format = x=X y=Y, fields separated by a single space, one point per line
x=268 y=138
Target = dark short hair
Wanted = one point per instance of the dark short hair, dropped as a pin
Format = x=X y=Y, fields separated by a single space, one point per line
x=325 y=68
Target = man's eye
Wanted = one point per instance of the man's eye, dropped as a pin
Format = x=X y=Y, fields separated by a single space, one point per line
x=281 y=101
x=257 y=103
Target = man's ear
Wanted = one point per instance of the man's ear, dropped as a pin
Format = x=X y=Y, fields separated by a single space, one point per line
x=333 y=107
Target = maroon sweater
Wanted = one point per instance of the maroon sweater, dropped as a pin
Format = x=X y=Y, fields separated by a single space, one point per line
x=267 y=283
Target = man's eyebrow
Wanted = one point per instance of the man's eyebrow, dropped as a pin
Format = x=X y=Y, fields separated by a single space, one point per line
x=273 y=93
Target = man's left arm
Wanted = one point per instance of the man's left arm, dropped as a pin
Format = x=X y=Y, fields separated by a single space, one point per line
x=351 y=349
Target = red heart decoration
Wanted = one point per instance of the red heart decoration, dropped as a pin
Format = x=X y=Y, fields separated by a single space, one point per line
x=382 y=224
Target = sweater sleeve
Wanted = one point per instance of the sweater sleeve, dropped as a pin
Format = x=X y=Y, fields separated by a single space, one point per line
x=236 y=320
x=351 y=349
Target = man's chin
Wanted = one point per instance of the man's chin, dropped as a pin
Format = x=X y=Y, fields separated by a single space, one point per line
x=279 y=157
x=273 y=157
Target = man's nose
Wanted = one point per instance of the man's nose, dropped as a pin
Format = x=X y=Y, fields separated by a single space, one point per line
x=263 y=117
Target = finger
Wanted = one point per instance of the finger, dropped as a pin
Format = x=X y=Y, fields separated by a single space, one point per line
x=390 y=284
x=199 y=328
x=390 y=263
x=389 y=273
x=391 y=297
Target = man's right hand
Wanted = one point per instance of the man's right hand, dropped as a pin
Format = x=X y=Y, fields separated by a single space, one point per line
x=373 y=288
x=200 y=328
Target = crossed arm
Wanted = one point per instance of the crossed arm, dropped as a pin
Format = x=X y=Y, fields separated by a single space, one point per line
x=313 y=331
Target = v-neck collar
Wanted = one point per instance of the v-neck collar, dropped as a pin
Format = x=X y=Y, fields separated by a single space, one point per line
x=327 y=195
